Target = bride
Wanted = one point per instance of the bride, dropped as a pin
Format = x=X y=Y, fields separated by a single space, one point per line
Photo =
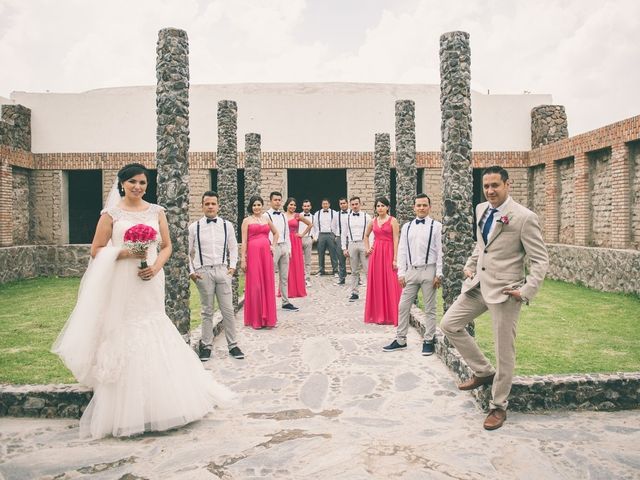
x=119 y=340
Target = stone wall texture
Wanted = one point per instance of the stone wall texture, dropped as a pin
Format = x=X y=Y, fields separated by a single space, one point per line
x=21 y=206
x=600 y=182
x=15 y=127
x=634 y=159
x=227 y=159
x=29 y=261
x=46 y=401
x=382 y=165
x=566 y=180
x=405 y=159
x=548 y=125
x=455 y=107
x=252 y=167
x=50 y=224
x=605 y=269
x=537 y=185
x=172 y=136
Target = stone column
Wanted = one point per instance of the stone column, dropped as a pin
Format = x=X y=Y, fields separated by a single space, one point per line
x=252 y=166
x=16 y=127
x=227 y=163
x=548 y=125
x=457 y=172
x=172 y=136
x=405 y=159
x=382 y=162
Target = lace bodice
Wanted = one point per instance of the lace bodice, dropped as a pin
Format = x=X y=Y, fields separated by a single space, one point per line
x=124 y=219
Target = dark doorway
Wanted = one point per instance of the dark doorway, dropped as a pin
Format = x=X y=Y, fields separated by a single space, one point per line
x=316 y=184
x=241 y=206
x=85 y=203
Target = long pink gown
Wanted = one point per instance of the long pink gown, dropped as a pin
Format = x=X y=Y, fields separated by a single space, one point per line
x=383 y=288
x=260 y=288
x=296 y=286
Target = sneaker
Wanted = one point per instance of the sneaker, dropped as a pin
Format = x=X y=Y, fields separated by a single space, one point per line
x=204 y=352
x=319 y=274
x=337 y=275
x=393 y=346
x=428 y=348
x=236 y=353
x=307 y=283
x=290 y=307
x=353 y=297
x=339 y=282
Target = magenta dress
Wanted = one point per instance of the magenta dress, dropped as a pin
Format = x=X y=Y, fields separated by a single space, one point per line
x=383 y=288
x=260 y=288
x=296 y=287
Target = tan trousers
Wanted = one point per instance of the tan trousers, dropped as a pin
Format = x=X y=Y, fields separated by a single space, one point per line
x=418 y=278
x=307 y=244
x=216 y=282
x=359 y=264
x=281 y=256
x=504 y=317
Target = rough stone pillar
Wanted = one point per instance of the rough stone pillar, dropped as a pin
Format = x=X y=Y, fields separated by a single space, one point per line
x=405 y=159
x=227 y=163
x=15 y=130
x=252 y=166
x=382 y=162
x=457 y=172
x=172 y=136
x=548 y=125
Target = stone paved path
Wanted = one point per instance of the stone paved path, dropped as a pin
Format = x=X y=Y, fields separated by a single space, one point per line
x=319 y=399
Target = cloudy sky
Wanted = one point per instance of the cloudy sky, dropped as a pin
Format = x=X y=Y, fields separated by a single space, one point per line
x=586 y=53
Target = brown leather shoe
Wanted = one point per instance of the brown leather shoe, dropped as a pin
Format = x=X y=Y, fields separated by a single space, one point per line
x=475 y=382
x=495 y=419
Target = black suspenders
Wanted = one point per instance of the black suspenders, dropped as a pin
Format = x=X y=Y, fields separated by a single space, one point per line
x=426 y=260
x=284 y=220
x=364 y=227
x=224 y=247
x=320 y=225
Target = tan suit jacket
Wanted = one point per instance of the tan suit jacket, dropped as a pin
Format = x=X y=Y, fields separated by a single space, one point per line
x=501 y=262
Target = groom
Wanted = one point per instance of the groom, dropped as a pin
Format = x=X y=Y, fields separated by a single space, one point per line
x=496 y=281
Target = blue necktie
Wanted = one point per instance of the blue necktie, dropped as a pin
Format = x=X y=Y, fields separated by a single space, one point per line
x=487 y=225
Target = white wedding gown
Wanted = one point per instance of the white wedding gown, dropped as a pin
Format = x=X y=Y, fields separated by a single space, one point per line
x=120 y=342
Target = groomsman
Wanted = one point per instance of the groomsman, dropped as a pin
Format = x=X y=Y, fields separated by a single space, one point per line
x=213 y=255
x=339 y=230
x=353 y=244
x=282 y=250
x=323 y=233
x=419 y=267
x=307 y=241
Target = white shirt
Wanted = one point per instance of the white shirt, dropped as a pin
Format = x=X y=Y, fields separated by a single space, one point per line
x=340 y=222
x=354 y=227
x=303 y=226
x=413 y=253
x=502 y=209
x=323 y=221
x=281 y=223
x=208 y=248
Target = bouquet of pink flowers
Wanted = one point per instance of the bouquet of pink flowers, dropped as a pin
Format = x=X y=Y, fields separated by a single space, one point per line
x=138 y=238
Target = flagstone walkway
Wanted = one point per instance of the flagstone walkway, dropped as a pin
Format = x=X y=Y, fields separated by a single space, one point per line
x=319 y=399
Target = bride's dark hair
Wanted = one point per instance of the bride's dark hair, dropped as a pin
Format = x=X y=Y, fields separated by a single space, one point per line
x=129 y=171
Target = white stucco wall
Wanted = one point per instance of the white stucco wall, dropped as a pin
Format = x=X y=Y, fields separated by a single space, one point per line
x=290 y=117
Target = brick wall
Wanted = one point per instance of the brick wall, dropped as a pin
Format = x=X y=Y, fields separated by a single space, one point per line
x=360 y=182
x=21 y=200
x=50 y=225
x=273 y=180
x=433 y=188
x=519 y=189
x=199 y=182
x=634 y=158
x=566 y=180
x=537 y=197
x=600 y=197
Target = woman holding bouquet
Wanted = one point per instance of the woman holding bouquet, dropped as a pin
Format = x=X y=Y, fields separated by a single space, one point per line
x=119 y=340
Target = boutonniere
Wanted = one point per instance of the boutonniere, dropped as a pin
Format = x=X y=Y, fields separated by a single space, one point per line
x=504 y=220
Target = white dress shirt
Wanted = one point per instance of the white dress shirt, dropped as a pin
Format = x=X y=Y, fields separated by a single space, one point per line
x=210 y=247
x=281 y=223
x=502 y=209
x=303 y=226
x=340 y=222
x=354 y=227
x=323 y=221
x=412 y=247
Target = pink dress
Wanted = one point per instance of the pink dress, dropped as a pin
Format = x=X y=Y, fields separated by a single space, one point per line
x=383 y=288
x=260 y=289
x=296 y=287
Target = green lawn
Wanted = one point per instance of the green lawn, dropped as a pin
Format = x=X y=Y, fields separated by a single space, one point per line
x=572 y=329
x=32 y=313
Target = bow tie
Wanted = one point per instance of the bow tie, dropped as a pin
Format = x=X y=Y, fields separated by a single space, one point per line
x=307 y=214
x=355 y=214
x=344 y=213
x=214 y=220
x=420 y=221
x=325 y=211
x=277 y=213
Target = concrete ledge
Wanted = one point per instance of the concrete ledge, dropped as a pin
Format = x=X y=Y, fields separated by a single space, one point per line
x=617 y=391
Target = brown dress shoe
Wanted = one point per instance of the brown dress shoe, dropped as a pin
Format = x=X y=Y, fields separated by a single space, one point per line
x=495 y=419
x=475 y=382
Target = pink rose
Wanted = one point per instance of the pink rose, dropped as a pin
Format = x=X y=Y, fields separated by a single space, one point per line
x=504 y=220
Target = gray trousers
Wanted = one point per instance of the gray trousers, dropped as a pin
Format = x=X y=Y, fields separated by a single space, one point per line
x=216 y=282
x=307 y=244
x=281 y=256
x=416 y=279
x=359 y=263
x=326 y=242
x=342 y=260
x=504 y=317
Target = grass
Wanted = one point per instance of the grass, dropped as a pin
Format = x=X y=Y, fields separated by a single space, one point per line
x=572 y=329
x=32 y=313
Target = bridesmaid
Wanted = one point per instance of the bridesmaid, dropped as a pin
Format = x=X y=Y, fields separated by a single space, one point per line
x=296 y=280
x=257 y=261
x=383 y=288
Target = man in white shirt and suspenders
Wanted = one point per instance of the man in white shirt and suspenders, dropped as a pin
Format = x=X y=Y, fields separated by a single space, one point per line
x=419 y=267
x=323 y=233
x=339 y=231
x=353 y=244
x=307 y=240
x=281 y=251
x=213 y=255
